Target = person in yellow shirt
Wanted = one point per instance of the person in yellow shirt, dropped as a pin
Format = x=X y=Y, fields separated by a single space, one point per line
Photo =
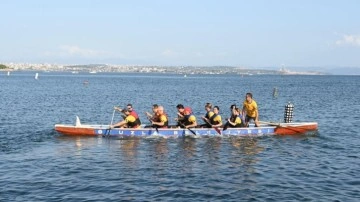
x=235 y=119
x=189 y=119
x=215 y=120
x=250 y=110
x=209 y=113
x=161 y=120
x=130 y=121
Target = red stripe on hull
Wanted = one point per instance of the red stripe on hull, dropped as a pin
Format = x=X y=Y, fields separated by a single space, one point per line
x=75 y=131
x=292 y=130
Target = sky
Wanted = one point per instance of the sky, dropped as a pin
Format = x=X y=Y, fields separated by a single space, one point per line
x=251 y=33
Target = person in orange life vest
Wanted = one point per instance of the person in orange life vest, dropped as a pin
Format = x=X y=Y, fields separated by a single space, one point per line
x=161 y=120
x=209 y=113
x=250 y=109
x=215 y=120
x=180 y=114
x=153 y=115
x=129 y=122
x=189 y=119
x=129 y=108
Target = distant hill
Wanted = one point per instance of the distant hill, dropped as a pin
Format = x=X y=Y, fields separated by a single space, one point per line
x=3 y=66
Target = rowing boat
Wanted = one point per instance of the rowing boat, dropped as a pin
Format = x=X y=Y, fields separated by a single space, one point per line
x=265 y=128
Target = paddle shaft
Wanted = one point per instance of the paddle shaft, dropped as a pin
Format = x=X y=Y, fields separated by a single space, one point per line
x=181 y=124
x=271 y=123
x=215 y=128
x=112 y=119
x=152 y=125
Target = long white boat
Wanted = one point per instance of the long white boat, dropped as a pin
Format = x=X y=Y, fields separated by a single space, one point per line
x=266 y=128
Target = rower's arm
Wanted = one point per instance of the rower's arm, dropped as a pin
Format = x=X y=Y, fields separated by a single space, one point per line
x=191 y=125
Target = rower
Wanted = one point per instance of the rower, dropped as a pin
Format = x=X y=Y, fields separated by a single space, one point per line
x=189 y=120
x=161 y=120
x=215 y=120
x=131 y=110
x=153 y=115
x=235 y=121
x=180 y=115
x=129 y=122
x=209 y=113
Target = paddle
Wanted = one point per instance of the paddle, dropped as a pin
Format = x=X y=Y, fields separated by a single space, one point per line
x=107 y=131
x=193 y=132
x=156 y=127
x=271 y=123
x=216 y=128
x=226 y=125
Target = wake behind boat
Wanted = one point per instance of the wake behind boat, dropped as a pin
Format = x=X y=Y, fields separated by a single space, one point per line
x=265 y=128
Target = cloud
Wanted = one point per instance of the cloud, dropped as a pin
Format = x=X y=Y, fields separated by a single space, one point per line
x=74 y=51
x=169 y=53
x=352 y=40
x=77 y=51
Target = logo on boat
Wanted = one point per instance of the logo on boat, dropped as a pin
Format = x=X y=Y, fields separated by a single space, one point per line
x=100 y=132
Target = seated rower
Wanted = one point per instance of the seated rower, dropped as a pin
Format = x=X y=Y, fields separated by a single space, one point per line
x=154 y=109
x=129 y=108
x=209 y=113
x=215 y=120
x=180 y=115
x=189 y=120
x=235 y=121
x=129 y=122
x=161 y=120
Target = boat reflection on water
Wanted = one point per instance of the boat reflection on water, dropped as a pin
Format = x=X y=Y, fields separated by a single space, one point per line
x=161 y=148
x=129 y=147
x=247 y=145
x=79 y=143
x=188 y=146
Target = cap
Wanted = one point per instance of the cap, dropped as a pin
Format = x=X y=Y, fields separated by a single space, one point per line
x=188 y=109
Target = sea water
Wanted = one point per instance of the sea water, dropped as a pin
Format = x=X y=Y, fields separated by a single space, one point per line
x=38 y=164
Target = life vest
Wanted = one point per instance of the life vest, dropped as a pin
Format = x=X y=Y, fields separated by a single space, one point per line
x=212 y=122
x=186 y=120
x=134 y=114
x=207 y=115
x=233 y=118
x=134 y=124
x=181 y=120
x=157 y=119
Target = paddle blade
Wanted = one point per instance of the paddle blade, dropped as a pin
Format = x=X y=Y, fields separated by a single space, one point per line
x=226 y=126
x=217 y=130
x=193 y=132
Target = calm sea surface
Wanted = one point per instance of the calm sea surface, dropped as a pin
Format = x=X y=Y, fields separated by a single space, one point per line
x=38 y=164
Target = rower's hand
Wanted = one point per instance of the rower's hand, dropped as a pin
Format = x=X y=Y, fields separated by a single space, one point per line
x=117 y=108
x=111 y=127
x=203 y=117
x=228 y=120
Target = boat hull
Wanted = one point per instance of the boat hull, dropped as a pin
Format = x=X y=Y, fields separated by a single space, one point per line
x=103 y=130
